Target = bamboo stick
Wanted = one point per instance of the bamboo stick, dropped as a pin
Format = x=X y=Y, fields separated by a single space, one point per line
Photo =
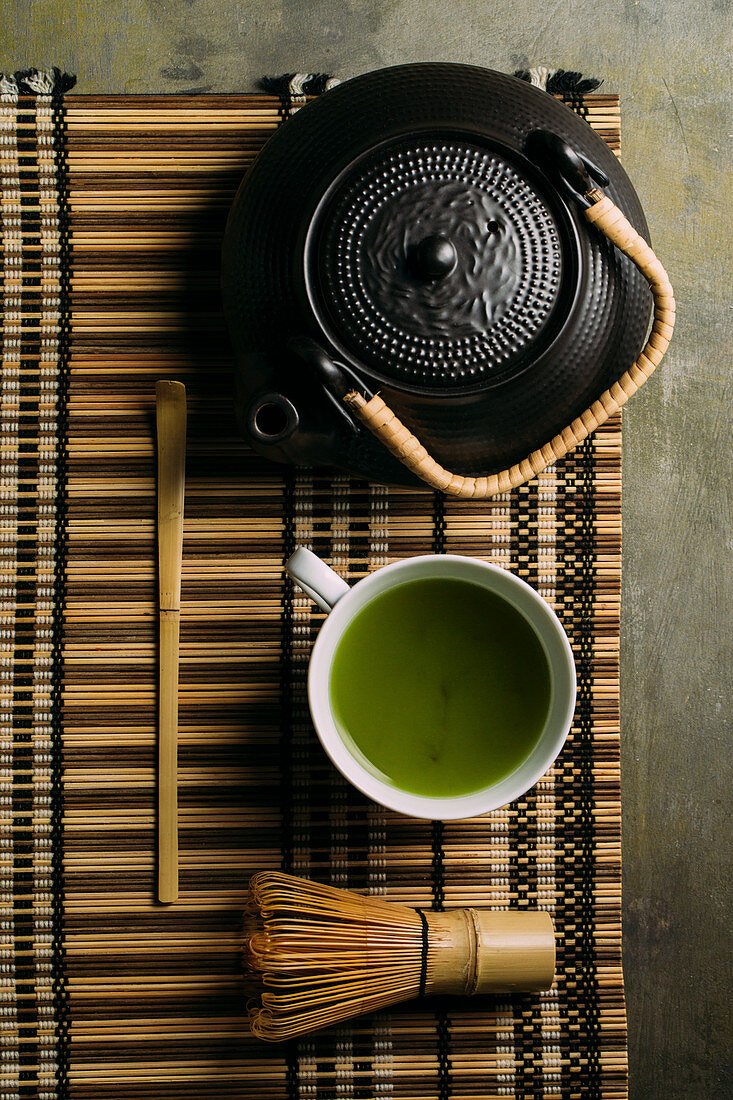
x=171 y=443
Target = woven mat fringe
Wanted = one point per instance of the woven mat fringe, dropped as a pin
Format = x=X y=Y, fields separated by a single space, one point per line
x=564 y=82
x=37 y=82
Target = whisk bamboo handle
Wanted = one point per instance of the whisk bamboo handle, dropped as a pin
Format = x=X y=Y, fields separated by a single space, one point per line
x=486 y=951
x=382 y=422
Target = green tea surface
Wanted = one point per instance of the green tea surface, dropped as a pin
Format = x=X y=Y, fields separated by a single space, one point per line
x=440 y=687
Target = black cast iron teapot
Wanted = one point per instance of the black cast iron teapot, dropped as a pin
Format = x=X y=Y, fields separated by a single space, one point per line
x=433 y=267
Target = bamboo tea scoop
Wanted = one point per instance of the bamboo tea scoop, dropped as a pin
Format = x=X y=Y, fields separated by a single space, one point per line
x=318 y=955
x=170 y=402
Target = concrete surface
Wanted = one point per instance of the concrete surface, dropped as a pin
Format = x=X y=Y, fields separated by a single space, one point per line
x=670 y=61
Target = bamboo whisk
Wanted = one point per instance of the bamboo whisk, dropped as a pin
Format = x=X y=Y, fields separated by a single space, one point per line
x=321 y=955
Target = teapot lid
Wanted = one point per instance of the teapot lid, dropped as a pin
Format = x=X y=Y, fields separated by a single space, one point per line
x=436 y=261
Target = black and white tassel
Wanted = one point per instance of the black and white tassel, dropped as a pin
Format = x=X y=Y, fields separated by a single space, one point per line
x=292 y=88
x=565 y=82
x=298 y=84
x=44 y=82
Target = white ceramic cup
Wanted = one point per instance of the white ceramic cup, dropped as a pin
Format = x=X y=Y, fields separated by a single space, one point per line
x=342 y=602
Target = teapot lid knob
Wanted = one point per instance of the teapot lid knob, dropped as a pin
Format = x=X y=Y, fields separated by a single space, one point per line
x=435 y=257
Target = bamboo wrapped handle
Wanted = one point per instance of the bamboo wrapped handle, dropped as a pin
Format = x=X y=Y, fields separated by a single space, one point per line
x=382 y=422
x=489 y=951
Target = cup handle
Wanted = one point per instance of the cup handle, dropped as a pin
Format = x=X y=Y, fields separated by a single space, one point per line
x=317 y=579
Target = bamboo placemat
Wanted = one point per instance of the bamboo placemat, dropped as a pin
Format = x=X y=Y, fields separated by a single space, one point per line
x=113 y=210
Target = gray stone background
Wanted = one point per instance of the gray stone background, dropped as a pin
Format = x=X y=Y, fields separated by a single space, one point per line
x=670 y=62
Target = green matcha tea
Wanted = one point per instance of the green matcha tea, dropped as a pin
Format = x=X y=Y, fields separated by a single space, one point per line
x=440 y=687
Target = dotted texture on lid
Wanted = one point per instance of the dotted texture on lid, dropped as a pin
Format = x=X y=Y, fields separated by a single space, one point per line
x=477 y=321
